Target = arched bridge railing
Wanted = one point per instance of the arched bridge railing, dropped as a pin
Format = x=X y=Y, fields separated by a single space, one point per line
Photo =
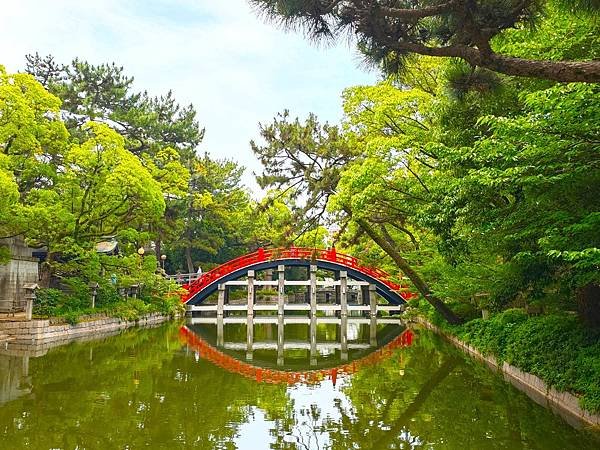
x=310 y=254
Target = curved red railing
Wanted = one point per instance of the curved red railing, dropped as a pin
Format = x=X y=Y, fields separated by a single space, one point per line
x=263 y=255
x=273 y=376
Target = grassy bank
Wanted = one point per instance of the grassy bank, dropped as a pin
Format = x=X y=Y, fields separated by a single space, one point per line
x=556 y=347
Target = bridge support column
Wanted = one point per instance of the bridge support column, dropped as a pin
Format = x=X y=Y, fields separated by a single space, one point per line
x=313 y=340
x=373 y=331
x=373 y=315
x=313 y=290
x=280 y=289
x=220 y=334
x=251 y=293
x=221 y=300
x=280 y=339
x=344 y=338
x=344 y=293
x=372 y=300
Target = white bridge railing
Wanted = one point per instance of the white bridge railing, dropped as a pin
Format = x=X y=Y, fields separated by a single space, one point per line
x=183 y=278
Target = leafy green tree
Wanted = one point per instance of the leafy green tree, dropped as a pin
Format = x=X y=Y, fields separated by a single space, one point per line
x=303 y=161
x=163 y=134
x=212 y=211
x=529 y=196
x=304 y=157
x=103 y=93
x=101 y=189
x=31 y=133
x=388 y=32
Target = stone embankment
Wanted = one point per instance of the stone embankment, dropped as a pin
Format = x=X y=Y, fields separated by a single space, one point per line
x=38 y=336
x=563 y=403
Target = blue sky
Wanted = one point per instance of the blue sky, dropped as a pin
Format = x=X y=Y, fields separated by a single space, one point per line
x=235 y=69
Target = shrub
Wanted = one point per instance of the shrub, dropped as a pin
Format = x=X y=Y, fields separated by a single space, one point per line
x=46 y=301
x=131 y=309
x=106 y=294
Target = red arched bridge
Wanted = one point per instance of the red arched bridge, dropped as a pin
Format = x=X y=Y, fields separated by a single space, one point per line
x=348 y=271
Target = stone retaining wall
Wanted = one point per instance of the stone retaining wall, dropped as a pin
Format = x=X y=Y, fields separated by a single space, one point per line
x=565 y=403
x=40 y=335
x=22 y=268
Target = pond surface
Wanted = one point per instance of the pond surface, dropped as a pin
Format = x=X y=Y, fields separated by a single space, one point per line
x=279 y=386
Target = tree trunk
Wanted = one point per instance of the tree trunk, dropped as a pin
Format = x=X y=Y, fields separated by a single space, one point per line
x=564 y=71
x=588 y=305
x=405 y=267
x=46 y=270
x=188 y=260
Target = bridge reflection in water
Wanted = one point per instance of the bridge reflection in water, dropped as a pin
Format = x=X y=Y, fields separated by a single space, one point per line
x=281 y=349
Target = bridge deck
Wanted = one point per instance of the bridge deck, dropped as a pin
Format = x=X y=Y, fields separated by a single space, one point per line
x=287 y=320
x=292 y=307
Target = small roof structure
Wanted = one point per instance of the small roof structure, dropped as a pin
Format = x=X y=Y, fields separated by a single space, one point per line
x=110 y=247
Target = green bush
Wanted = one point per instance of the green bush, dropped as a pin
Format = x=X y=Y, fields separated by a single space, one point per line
x=46 y=301
x=107 y=294
x=78 y=295
x=72 y=317
x=131 y=309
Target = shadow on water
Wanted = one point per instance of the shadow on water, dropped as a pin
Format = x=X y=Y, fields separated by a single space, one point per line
x=155 y=389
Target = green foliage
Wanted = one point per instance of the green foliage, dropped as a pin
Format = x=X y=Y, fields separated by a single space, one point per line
x=46 y=301
x=131 y=309
x=560 y=35
x=389 y=34
x=74 y=301
x=103 y=92
x=302 y=161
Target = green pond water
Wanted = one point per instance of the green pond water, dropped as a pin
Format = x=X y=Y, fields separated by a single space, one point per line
x=297 y=386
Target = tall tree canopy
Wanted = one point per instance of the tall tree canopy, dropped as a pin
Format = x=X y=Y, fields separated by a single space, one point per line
x=387 y=31
x=104 y=93
x=481 y=189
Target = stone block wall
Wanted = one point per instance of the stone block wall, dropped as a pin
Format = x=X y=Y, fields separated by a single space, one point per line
x=38 y=336
x=22 y=268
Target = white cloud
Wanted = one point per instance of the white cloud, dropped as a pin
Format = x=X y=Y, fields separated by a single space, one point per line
x=234 y=68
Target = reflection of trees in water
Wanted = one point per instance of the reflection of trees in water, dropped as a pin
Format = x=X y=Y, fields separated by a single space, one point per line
x=138 y=389
x=141 y=389
x=427 y=396
x=306 y=433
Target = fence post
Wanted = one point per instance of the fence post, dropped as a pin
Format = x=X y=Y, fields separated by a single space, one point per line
x=221 y=300
x=372 y=300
